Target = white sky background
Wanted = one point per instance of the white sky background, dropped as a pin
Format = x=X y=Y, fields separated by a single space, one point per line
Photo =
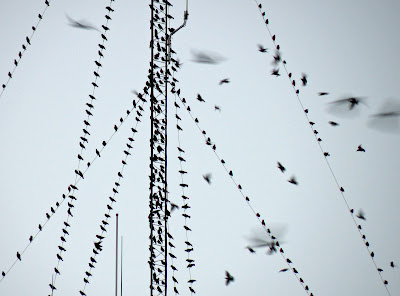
x=345 y=48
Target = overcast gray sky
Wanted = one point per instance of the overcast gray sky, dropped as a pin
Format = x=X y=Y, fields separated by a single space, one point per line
x=346 y=49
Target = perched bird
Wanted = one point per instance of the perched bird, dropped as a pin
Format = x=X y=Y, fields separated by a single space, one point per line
x=392 y=264
x=293 y=180
x=19 y=256
x=225 y=80
x=207 y=178
x=361 y=215
x=81 y=24
x=262 y=48
x=228 y=278
x=361 y=149
x=281 y=167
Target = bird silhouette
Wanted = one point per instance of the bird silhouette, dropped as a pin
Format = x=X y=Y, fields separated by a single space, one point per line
x=207 y=178
x=224 y=81
x=275 y=72
x=361 y=149
x=346 y=107
x=392 y=264
x=19 y=256
x=80 y=24
x=262 y=48
x=293 y=180
x=284 y=269
x=322 y=93
x=199 y=98
x=251 y=250
x=228 y=278
x=304 y=79
x=206 y=58
x=361 y=215
x=333 y=123
x=281 y=167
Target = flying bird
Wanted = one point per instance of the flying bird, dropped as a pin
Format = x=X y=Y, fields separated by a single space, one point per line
x=304 y=79
x=284 y=269
x=81 y=24
x=217 y=108
x=281 y=167
x=225 y=80
x=293 y=180
x=228 y=278
x=199 y=98
x=206 y=58
x=387 y=119
x=322 y=93
x=361 y=215
x=347 y=106
x=333 y=123
x=262 y=48
x=207 y=178
x=361 y=149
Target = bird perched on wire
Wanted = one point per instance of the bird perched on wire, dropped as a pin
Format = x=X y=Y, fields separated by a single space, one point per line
x=81 y=24
x=228 y=278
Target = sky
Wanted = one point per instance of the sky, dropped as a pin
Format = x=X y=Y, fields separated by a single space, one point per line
x=345 y=48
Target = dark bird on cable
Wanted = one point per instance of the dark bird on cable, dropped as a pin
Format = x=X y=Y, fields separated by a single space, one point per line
x=207 y=178
x=19 y=256
x=361 y=215
x=88 y=273
x=69 y=212
x=52 y=287
x=98 y=153
x=97 y=64
x=199 y=98
x=109 y=9
x=281 y=167
x=31 y=238
x=284 y=269
x=62 y=249
x=206 y=58
x=225 y=80
x=56 y=270
x=326 y=154
x=81 y=24
x=304 y=79
x=361 y=149
x=262 y=48
x=392 y=264
x=3 y=273
x=40 y=227
x=293 y=180
x=228 y=278
x=27 y=40
x=59 y=257
x=186 y=228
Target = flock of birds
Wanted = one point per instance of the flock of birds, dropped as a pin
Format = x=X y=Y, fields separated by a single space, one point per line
x=389 y=111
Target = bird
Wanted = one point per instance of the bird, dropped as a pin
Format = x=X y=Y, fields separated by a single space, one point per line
x=19 y=256
x=392 y=264
x=262 y=48
x=81 y=24
x=361 y=215
x=323 y=93
x=217 y=108
x=333 y=123
x=228 y=278
x=350 y=102
x=207 y=178
x=206 y=58
x=199 y=98
x=251 y=250
x=293 y=180
x=52 y=287
x=225 y=80
x=281 y=167
x=361 y=149
x=304 y=79
x=284 y=269
x=275 y=72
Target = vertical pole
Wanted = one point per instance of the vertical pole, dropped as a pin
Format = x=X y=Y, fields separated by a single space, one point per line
x=116 y=257
x=122 y=240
